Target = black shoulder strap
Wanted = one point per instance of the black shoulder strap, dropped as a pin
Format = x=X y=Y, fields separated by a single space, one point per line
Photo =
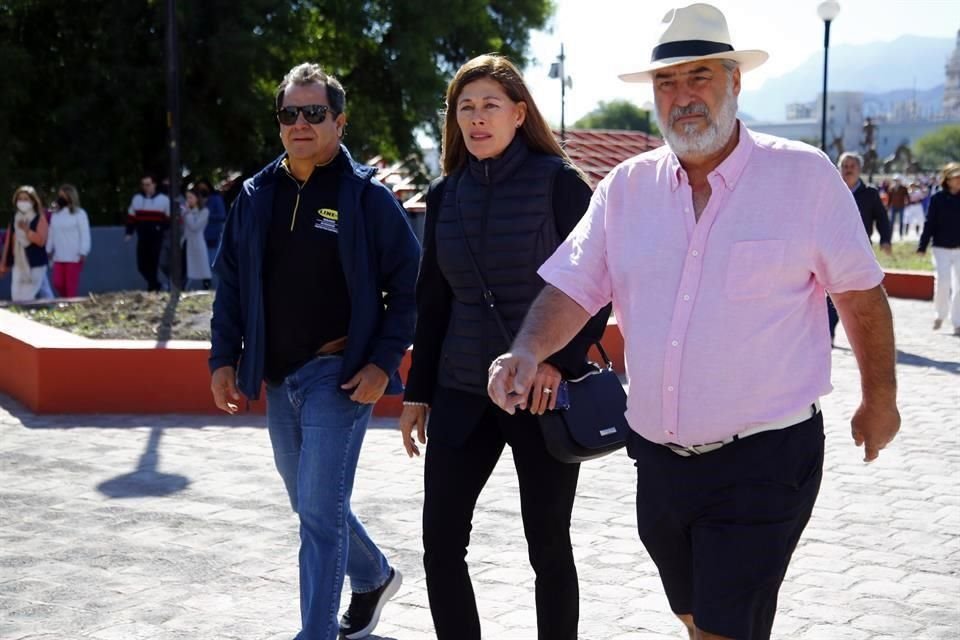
x=488 y=296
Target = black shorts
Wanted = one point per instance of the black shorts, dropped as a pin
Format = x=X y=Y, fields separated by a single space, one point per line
x=721 y=527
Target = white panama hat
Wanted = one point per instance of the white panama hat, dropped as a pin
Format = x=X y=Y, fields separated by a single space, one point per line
x=697 y=32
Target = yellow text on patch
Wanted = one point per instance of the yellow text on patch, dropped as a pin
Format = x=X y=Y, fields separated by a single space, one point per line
x=329 y=214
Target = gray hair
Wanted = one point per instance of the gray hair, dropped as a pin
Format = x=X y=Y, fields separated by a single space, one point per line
x=850 y=154
x=310 y=73
x=730 y=66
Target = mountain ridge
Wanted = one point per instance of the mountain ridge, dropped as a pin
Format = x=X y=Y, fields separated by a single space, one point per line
x=906 y=64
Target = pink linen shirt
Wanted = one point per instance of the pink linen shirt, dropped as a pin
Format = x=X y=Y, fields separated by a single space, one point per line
x=724 y=319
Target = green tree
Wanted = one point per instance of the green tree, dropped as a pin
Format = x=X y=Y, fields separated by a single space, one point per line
x=83 y=99
x=618 y=114
x=938 y=147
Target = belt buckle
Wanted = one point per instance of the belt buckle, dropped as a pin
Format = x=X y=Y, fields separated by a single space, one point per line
x=695 y=449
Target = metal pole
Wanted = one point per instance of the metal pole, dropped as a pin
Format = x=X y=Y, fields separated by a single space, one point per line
x=173 y=129
x=823 y=117
x=563 y=96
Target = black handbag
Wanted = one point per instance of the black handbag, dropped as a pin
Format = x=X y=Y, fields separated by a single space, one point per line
x=589 y=420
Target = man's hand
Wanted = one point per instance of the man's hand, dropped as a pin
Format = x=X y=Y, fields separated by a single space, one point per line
x=223 y=384
x=413 y=416
x=887 y=249
x=510 y=378
x=922 y=252
x=874 y=427
x=368 y=384
x=544 y=390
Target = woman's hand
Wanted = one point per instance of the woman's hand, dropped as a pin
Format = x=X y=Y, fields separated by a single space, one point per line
x=543 y=393
x=23 y=225
x=413 y=416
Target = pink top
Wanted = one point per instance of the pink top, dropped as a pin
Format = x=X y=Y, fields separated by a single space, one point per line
x=724 y=320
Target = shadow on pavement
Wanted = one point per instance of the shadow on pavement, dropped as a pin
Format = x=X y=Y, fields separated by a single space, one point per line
x=126 y=420
x=146 y=481
x=914 y=360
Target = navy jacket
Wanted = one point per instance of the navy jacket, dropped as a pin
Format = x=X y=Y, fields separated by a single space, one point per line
x=380 y=257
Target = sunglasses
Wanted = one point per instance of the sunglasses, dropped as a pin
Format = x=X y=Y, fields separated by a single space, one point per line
x=312 y=113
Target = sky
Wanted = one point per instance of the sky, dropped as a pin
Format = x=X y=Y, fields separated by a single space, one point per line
x=602 y=38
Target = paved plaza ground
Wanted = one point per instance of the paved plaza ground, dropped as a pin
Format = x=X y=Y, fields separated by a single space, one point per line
x=175 y=527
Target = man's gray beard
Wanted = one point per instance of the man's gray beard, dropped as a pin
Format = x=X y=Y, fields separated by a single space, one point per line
x=719 y=130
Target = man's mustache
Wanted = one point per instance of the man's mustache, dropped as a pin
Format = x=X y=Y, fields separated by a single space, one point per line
x=698 y=108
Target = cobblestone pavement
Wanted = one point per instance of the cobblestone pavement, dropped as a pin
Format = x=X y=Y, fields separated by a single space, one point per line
x=171 y=527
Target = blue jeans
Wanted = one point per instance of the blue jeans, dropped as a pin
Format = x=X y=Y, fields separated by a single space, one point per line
x=316 y=432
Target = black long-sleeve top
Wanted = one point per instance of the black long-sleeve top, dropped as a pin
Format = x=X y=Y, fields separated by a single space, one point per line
x=943 y=222
x=571 y=196
x=872 y=212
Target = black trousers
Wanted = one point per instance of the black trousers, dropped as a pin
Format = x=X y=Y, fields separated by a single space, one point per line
x=149 y=244
x=453 y=479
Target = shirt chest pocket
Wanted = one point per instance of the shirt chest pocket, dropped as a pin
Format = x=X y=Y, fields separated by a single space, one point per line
x=753 y=268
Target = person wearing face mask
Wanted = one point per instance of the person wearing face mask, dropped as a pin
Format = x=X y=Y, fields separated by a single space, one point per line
x=509 y=195
x=23 y=248
x=68 y=242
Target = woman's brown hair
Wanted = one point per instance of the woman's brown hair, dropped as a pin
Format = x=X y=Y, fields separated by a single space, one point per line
x=534 y=129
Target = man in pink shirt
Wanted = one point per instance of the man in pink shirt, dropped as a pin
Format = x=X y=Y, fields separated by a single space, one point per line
x=716 y=250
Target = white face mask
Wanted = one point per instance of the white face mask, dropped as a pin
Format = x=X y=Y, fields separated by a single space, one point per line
x=25 y=206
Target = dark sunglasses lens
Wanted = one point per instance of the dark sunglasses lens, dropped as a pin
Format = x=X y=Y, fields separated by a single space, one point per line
x=287 y=115
x=314 y=113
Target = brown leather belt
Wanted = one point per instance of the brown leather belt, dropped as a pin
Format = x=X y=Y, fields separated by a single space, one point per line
x=333 y=347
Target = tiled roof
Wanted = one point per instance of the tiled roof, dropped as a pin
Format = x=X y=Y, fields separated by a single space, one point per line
x=598 y=151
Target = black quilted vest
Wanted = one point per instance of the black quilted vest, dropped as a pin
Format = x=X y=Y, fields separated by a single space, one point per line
x=506 y=205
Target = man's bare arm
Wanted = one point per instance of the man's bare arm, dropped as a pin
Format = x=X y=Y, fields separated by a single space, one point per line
x=868 y=324
x=552 y=321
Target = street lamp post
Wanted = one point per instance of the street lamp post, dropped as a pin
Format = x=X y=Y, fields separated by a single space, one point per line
x=557 y=71
x=173 y=131
x=827 y=10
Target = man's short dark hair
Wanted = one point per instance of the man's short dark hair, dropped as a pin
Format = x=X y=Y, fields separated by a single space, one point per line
x=310 y=73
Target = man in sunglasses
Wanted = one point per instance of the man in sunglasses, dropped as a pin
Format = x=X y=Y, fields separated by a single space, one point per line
x=317 y=270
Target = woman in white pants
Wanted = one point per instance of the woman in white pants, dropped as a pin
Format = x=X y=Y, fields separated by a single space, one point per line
x=24 y=246
x=942 y=229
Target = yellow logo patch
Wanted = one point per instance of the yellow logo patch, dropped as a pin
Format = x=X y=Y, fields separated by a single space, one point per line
x=328 y=214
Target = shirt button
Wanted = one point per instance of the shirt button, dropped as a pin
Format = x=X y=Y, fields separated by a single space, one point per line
x=675 y=343
x=669 y=388
x=694 y=253
x=686 y=297
x=686 y=209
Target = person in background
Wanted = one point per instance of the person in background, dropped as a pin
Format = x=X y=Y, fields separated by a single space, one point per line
x=24 y=247
x=197 y=258
x=897 y=199
x=68 y=242
x=218 y=215
x=872 y=212
x=149 y=216
x=942 y=229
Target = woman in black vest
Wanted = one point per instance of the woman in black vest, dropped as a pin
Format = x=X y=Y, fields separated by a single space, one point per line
x=508 y=196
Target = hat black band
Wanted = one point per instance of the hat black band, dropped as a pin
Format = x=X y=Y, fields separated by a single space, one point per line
x=685 y=48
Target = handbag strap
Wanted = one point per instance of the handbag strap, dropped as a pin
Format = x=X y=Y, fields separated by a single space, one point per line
x=488 y=298
x=491 y=301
